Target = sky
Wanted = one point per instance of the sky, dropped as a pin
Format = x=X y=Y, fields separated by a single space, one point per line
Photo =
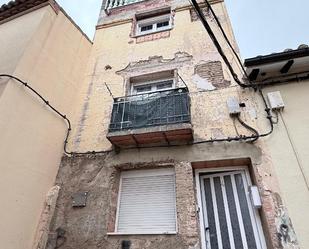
x=261 y=26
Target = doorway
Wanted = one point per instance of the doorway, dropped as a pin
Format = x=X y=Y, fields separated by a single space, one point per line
x=227 y=217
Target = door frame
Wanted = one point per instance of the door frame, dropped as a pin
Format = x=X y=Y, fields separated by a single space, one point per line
x=200 y=207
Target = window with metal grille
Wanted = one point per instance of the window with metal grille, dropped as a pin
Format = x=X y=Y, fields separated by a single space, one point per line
x=147 y=202
x=228 y=218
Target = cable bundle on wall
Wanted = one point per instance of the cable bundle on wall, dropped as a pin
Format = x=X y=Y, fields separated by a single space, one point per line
x=230 y=67
x=255 y=136
x=64 y=117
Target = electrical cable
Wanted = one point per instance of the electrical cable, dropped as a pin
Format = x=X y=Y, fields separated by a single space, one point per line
x=266 y=82
x=235 y=127
x=221 y=52
x=217 y=44
x=249 y=128
x=235 y=76
x=64 y=117
x=226 y=38
x=109 y=90
x=227 y=139
x=183 y=81
x=237 y=138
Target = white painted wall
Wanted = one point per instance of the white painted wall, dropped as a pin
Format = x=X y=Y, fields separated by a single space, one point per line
x=289 y=147
x=49 y=52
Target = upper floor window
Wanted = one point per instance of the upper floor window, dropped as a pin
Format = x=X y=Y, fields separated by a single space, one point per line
x=152 y=25
x=154 y=21
x=152 y=83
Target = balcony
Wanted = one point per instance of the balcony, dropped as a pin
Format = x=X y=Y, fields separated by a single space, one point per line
x=118 y=3
x=159 y=118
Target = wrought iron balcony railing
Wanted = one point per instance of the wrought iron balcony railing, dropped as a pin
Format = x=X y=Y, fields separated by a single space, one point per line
x=152 y=109
x=117 y=3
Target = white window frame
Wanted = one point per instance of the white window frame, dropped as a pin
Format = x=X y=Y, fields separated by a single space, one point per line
x=153 y=86
x=145 y=173
x=153 y=21
x=202 y=207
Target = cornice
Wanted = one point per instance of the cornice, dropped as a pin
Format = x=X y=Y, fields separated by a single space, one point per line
x=17 y=8
x=129 y=20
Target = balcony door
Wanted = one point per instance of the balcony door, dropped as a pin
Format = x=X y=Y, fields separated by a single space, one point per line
x=229 y=220
x=152 y=86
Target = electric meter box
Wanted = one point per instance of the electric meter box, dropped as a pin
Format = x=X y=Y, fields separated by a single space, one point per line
x=233 y=106
x=275 y=100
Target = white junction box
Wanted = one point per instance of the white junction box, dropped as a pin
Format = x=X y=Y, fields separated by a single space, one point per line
x=255 y=197
x=275 y=100
x=233 y=105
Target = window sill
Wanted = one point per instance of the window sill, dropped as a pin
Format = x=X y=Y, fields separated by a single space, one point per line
x=155 y=32
x=133 y=233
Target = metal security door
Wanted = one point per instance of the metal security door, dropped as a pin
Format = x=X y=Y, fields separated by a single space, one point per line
x=230 y=220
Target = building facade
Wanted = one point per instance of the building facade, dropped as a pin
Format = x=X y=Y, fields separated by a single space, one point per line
x=166 y=171
x=165 y=147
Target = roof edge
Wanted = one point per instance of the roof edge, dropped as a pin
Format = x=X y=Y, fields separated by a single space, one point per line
x=17 y=8
x=277 y=57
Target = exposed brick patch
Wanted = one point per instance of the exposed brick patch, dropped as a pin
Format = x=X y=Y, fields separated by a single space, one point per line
x=213 y=72
x=152 y=37
x=194 y=16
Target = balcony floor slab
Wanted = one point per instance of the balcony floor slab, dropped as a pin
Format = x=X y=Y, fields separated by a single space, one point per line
x=156 y=135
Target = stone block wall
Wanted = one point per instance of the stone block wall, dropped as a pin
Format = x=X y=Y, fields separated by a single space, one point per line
x=213 y=72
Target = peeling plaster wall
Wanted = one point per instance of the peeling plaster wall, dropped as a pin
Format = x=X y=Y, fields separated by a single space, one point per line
x=114 y=50
x=88 y=227
x=116 y=56
x=99 y=175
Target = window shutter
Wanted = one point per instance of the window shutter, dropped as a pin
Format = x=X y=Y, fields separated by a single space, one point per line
x=147 y=202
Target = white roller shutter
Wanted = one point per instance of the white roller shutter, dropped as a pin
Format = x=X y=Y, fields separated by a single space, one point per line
x=147 y=202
